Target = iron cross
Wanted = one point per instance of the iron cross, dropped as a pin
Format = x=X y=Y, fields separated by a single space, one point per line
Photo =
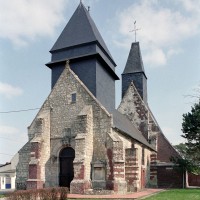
x=135 y=29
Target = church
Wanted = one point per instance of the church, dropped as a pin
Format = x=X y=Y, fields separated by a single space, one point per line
x=78 y=139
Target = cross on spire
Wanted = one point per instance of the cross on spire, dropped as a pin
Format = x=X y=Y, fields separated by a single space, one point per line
x=135 y=29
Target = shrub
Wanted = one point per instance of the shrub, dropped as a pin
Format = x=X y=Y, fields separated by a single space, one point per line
x=63 y=193
x=59 y=193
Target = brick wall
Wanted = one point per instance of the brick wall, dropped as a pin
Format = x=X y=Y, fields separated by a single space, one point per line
x=165 y=149
x=131 y=169
x=168 y=177
x=193 y=180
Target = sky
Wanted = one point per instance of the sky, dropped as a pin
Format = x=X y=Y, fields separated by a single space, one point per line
x=169 y=36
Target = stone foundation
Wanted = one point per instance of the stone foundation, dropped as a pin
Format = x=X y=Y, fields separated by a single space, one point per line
x=80 y=186
x=34 y=184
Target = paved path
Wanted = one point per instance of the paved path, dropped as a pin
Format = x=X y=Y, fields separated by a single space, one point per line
x=136 y=195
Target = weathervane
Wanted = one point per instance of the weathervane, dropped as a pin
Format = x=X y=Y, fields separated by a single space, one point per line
x=135 y=29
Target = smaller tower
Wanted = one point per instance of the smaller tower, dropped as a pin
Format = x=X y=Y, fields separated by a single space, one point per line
x=134 y=72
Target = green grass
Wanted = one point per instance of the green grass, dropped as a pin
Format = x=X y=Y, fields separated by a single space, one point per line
x=178 y=194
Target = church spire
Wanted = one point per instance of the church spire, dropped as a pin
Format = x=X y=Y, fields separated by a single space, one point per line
x=82 y=44
x=134 y=62
x=134 y=72
x=80 y=30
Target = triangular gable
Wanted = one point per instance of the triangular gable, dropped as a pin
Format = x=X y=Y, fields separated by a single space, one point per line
x=132 y=102
x=67 y=73
x=137 y=111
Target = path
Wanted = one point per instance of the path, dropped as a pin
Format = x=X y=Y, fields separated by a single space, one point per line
x=135 y=195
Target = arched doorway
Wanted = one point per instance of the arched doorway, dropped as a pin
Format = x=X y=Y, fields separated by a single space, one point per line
x=66 y=158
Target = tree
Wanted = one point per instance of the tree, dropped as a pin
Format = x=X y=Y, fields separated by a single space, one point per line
x=190 y=151
x=191 y=130
x=182 y=150
x=187 y=161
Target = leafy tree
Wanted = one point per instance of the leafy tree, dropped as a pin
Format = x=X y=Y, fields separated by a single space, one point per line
x=182 y=150
x=191 y=130
x=190 y=151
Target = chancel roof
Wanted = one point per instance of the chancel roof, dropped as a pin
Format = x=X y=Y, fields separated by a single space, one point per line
x=122 y=123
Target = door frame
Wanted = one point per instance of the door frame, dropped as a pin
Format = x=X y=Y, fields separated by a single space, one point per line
x=67 y=156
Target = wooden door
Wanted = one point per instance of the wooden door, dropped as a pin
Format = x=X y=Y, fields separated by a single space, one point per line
x=66 y=158
x=143 y=178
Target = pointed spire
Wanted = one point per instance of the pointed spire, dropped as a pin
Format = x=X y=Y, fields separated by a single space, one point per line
x=134 y=63
x=80 y=30
x=134 y=72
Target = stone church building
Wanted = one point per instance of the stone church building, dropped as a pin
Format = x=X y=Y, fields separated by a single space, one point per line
x=78 y=139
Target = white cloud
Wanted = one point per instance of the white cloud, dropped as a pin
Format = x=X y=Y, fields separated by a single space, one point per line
x=162 y=27
x=23 y=20
x=12 y=134
x=191 y=5
x=155 y=57
x=9 y=91
x=8 y=131
x=10 y=142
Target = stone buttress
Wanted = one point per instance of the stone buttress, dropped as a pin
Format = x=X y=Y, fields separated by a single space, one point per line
x=83 y=151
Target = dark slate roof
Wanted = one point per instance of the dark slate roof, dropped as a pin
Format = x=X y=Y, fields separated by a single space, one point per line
x=134 y=63
x=122 y=123
x=80 y=30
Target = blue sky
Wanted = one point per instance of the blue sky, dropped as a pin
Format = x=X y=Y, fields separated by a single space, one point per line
x=169 y=39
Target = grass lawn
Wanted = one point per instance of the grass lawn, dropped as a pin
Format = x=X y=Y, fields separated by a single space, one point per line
x=178 y=194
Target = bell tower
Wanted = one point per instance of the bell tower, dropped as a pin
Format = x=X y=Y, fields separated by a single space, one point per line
x=82 y=44
x=134 y=72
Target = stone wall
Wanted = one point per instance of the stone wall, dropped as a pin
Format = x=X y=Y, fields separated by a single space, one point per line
x=22 y=167
x=135 y=109
x=115 y=164
x=153 y=182
x=88 y=121
x=83 y=152
x=39 y=135
x=84 y=124
x=141 y=116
